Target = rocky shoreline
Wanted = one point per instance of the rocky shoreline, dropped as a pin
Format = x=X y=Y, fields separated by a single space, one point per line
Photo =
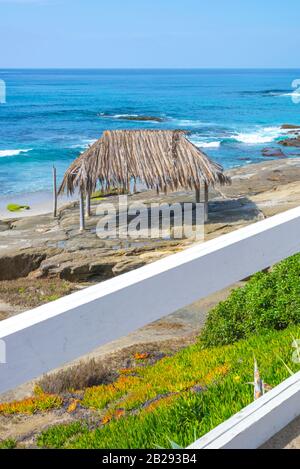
x=45 y=249
x=42 y=258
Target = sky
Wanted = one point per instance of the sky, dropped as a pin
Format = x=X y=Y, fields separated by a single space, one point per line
x=149 y=33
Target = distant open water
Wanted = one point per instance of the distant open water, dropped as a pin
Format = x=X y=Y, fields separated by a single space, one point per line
x=53 y=115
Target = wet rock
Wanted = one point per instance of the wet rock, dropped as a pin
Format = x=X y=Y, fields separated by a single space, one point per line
x=290 y=142
x=273 y=152
x=143 y=118
x=290 y=127
x=133 y=117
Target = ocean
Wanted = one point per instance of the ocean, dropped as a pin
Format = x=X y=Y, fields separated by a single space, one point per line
x=51 y=116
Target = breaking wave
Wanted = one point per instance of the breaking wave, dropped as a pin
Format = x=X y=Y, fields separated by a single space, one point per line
x=260 y=136
x=201 y=144
x=5 y=153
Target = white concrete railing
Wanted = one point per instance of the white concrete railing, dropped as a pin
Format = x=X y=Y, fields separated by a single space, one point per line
x=258 y=422
x=53 y=334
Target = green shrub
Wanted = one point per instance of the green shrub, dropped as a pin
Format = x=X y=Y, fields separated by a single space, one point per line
x=8 y=444
x=268 y=301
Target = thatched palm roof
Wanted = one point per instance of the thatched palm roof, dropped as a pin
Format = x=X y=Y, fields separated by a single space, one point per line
x=161 y=159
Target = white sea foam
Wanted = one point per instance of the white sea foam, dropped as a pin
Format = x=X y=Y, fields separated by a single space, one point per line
x=129 y=117
x=4 y=153
x=295 y=93
x=117 y=116
x=262 y=135
x=85 y=143
x=208 y=144
x=189 y=123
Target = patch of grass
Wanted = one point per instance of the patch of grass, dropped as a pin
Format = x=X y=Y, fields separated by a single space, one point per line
x=268 y=301
x=99 y=195
x=39 y=403
x=57 y=436
x=8 y=444
x=48 y=298
x=193 y=391
x=17 y=207
x=29 y=293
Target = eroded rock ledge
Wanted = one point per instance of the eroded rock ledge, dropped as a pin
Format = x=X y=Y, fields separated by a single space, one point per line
x=41 y=247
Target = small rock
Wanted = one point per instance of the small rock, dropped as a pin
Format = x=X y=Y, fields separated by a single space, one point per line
x=290 y=142
x=4 y=226
x=273 y=152
x=290 y=126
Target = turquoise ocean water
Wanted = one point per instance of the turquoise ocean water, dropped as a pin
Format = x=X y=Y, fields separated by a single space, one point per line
x=50 y=116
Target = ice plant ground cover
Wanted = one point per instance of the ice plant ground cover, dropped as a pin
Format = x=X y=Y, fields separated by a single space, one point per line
x=178 y=397
x=185 y=395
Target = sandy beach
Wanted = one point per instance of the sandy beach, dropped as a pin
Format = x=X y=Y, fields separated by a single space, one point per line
x=40 y=203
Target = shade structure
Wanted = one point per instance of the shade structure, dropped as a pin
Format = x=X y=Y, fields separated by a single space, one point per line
x=161 y=159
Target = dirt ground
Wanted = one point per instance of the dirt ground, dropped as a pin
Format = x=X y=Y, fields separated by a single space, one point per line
x=287 y=438
x=24 y=293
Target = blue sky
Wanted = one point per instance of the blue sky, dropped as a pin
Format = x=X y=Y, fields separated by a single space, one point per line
x=149 y=33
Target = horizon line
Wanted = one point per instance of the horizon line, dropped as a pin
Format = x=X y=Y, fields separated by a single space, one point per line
x=149 y=68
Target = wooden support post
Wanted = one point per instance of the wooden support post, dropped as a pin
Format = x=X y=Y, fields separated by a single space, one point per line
x=88 y=205
x=205 y=202
x=128 y=185
x=198 y=195
x=81 y=209
x=54 y=192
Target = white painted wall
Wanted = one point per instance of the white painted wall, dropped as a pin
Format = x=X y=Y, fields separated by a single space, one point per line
x=53 y=334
